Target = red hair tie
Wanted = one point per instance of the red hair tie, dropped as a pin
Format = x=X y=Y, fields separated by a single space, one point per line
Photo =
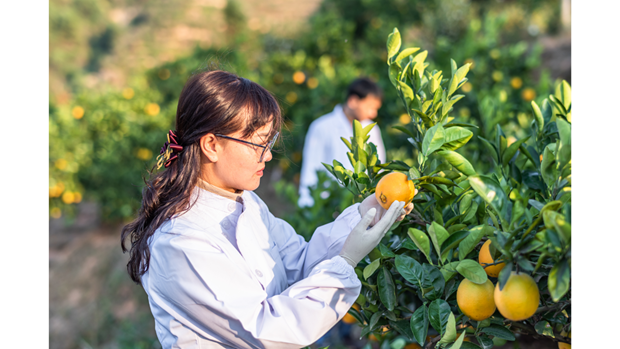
x=167 y=154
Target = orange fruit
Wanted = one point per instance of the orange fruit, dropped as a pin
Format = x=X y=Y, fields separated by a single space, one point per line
x=528 y=94
x=413 y=346
x=484 y=257
x=299 y=77
x=394 y=187
x=519 y=298
x=563 y=345
x=348 y=318
x=476 y=301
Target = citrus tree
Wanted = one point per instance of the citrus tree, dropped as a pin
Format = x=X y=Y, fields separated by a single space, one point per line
x=482 y=257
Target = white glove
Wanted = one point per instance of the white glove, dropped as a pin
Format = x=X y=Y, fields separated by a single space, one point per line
x=371 y=202
x=361 y=241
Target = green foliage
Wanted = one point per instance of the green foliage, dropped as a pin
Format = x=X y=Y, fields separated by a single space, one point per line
x=527 y=220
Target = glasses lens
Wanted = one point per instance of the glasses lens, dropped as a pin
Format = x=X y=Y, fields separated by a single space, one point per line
x=269 y=146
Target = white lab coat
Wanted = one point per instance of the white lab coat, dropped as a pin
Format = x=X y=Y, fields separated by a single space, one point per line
x=323 y=145
x=228 y=274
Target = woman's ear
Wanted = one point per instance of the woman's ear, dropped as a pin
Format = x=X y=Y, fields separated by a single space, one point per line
x=209 y=147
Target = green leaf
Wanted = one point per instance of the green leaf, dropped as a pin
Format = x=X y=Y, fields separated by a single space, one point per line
x=402 y=327
x=453 y=240
x=371 y=268
x=538 y=117
x=518 y=210
x=504 y=274
x=499 y=332
x=512 y=150
x=387 y=290
x=393 y=44
x=492 y=193
x=421 y=240
x=464 y=345
x=457 y=77
x=458 y=161
x=348 y=144
x=547 y=167
x=559 y=280
x=438 y=235
x=385 y=251
x=449 y=270
x=433 y=278
x=410 y=269
x=463 y=124
x=406 y=52
x=472 y=270
x=404 y=130
x=470 y=242
x=456 y=137
x=492 y=148
x=485 y=341
x=419 y=324
x=544 y=328
x=394 y=73
x=450 y=332
x=359 y=167
x=433 y=139
x=438 y=314
x=407 y=92
x=564 y=129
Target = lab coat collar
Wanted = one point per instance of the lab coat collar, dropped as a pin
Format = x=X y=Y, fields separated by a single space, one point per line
x=219 y=191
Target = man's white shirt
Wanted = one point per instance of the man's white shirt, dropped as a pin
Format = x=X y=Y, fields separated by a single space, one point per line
x=323 y=145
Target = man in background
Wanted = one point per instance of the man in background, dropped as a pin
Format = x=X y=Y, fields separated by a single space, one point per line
x=323 y=143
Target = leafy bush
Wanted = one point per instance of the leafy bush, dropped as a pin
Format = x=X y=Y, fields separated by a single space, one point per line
x=522 y=207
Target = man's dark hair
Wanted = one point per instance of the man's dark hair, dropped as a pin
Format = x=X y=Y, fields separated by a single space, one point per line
x=362 y=87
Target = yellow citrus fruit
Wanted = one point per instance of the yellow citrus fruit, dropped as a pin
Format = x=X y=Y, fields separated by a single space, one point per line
x=291 y=97
x=516 y=82
x=313 y=83
x=77 y=112
x=152 y=109
x=563 y=345
x=128 y=93
x=394 y=186
x=348 y=318
x=413 y=346
x=476 y=301
x=484 y=257
x=519 y=298
x=528 y=94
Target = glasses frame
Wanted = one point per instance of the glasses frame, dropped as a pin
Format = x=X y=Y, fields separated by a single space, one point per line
x=265 y=147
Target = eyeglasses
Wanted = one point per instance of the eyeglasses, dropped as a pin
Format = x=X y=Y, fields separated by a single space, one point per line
x=269 y=145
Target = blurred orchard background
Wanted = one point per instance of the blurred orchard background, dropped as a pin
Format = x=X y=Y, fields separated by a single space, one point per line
x=116 y=69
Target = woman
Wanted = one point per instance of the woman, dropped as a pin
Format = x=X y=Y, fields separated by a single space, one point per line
x=219 y=269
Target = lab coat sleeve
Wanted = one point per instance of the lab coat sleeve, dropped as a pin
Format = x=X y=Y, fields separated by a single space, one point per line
x=313 y=154
x=300 y=257
x=195 y=282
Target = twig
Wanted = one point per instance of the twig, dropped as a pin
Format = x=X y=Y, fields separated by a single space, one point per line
x=551 y=307
x=432 y=343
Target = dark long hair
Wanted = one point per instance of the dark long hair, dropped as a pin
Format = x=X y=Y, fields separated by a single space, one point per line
x=211 y=102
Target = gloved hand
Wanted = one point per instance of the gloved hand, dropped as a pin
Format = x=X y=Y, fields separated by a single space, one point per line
x=371 y=202
x=361 y=241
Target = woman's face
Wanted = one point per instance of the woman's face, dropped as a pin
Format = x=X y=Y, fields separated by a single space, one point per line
x=237 y=167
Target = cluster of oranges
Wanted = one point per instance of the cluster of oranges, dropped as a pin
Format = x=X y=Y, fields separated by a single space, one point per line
x=517 y=301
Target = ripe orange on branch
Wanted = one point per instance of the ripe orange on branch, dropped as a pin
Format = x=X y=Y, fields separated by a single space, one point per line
x=476 y=301
x=519 y=298
x=484 y=257
x=394 y=187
